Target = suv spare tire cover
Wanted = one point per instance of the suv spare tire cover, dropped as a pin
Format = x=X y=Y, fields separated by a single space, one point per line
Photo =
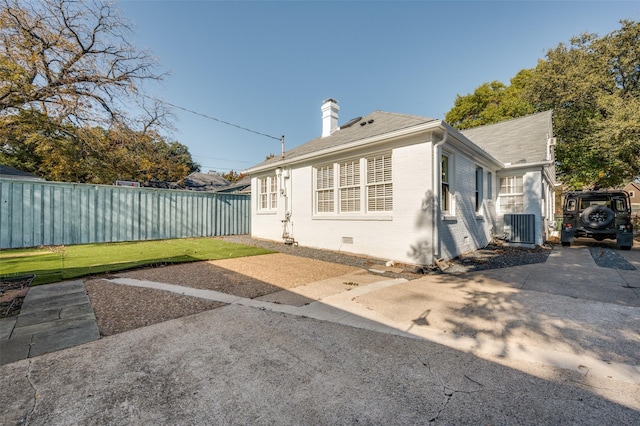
x=597 y=217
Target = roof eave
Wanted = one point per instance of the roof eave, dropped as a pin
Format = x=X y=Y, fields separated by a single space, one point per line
x=373 y=140
x=531 y=164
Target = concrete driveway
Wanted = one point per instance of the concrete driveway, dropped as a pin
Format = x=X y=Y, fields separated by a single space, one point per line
x=525 y=345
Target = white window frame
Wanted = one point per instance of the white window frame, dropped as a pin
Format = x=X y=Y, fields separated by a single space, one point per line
x=343 y=189
x=324 y=189
x=511 y=194
x=379 y=183
x=349 y=189
x=446 y=183
x=479 y=188
x=273 y=193
x=267 y=194
x=489 y=186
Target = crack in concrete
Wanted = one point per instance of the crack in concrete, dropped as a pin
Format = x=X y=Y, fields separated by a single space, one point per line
x=25 y=420
x=442 y=384
x=524 y=283
x=30 y=346
x=448 y=391
x=628 y=284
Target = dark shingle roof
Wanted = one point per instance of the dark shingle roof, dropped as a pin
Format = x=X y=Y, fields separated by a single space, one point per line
x=205 y=182
x=195 y=181
x=516 y=141
x=375 y=124
x=13 y=173
x=242 y=186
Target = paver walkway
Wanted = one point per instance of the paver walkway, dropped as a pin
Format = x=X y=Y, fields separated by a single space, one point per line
x=52 y=317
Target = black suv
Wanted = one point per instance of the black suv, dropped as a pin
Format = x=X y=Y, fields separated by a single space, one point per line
x=597 y=215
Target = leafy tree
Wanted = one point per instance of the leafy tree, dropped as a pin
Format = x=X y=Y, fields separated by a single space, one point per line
x=491 y=103
x=69 y=60
x=63 y=152
x=593 y=86
x=232 y=176
x=67 y=75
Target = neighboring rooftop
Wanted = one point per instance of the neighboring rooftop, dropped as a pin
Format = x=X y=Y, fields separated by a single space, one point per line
x=194 y=182
x=8 y=172
x=205 y=182
x=516 y=141
x=242 y=186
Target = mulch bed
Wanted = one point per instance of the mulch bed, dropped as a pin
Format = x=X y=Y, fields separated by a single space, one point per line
x=12 y=293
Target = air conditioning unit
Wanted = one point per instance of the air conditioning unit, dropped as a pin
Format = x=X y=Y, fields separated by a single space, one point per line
x=520 y=228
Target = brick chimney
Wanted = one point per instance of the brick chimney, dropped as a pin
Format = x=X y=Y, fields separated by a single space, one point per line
x=330 y=110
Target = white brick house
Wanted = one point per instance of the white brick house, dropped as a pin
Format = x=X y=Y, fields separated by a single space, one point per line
x=400 y=187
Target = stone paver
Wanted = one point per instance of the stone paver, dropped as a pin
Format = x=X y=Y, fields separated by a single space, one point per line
x=52 y=317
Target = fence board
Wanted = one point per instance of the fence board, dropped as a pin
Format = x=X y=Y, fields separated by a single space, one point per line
x=55 y=213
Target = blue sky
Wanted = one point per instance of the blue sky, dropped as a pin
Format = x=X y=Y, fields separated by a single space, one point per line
x=268 y=65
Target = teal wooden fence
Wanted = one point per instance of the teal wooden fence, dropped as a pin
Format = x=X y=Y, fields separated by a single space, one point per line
x=34 y=213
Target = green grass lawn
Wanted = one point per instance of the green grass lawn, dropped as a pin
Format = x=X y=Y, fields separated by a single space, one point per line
x=52 y=264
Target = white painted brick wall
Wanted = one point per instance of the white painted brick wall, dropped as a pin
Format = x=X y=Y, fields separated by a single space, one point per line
x=466 y=231
x=403 y=236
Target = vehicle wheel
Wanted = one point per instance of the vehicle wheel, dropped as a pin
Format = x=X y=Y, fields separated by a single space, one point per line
x=625 y=247
x=566 y=244
x=597 y=217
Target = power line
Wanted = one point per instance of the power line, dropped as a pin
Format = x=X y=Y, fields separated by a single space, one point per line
x=212 y=118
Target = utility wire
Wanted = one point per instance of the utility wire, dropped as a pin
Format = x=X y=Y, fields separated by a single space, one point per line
x=212 y=118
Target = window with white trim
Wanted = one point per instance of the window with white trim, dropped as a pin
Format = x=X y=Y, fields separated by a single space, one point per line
x=357 y=186
x=479 y=181
x=445 y=194
x=267 y=193
x=324 y=189
x=511 y=196
x=379 y=184
x=489 y=186
x=349 y=186
x=273 y=193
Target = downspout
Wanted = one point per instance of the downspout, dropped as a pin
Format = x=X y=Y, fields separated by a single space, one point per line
x=435 y=230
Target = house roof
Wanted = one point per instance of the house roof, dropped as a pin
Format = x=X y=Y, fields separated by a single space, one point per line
x=194 y=182
x=241 y=186
x=516 y=141
x=9 y=172
x=375 y=124
x=632 y=186
x=205 y=182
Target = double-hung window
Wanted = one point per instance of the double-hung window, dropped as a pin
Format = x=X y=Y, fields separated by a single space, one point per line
x=349 y=186
x=489 y=185
x=273 y=193
x=324 y=189
x=355 y=187
x=445 y=201
x=263 y=194
x=511 y=194
x=479 y=184
x=268 y=194
x=379 y=184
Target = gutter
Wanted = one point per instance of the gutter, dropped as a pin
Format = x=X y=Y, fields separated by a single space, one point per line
x=508 y=166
